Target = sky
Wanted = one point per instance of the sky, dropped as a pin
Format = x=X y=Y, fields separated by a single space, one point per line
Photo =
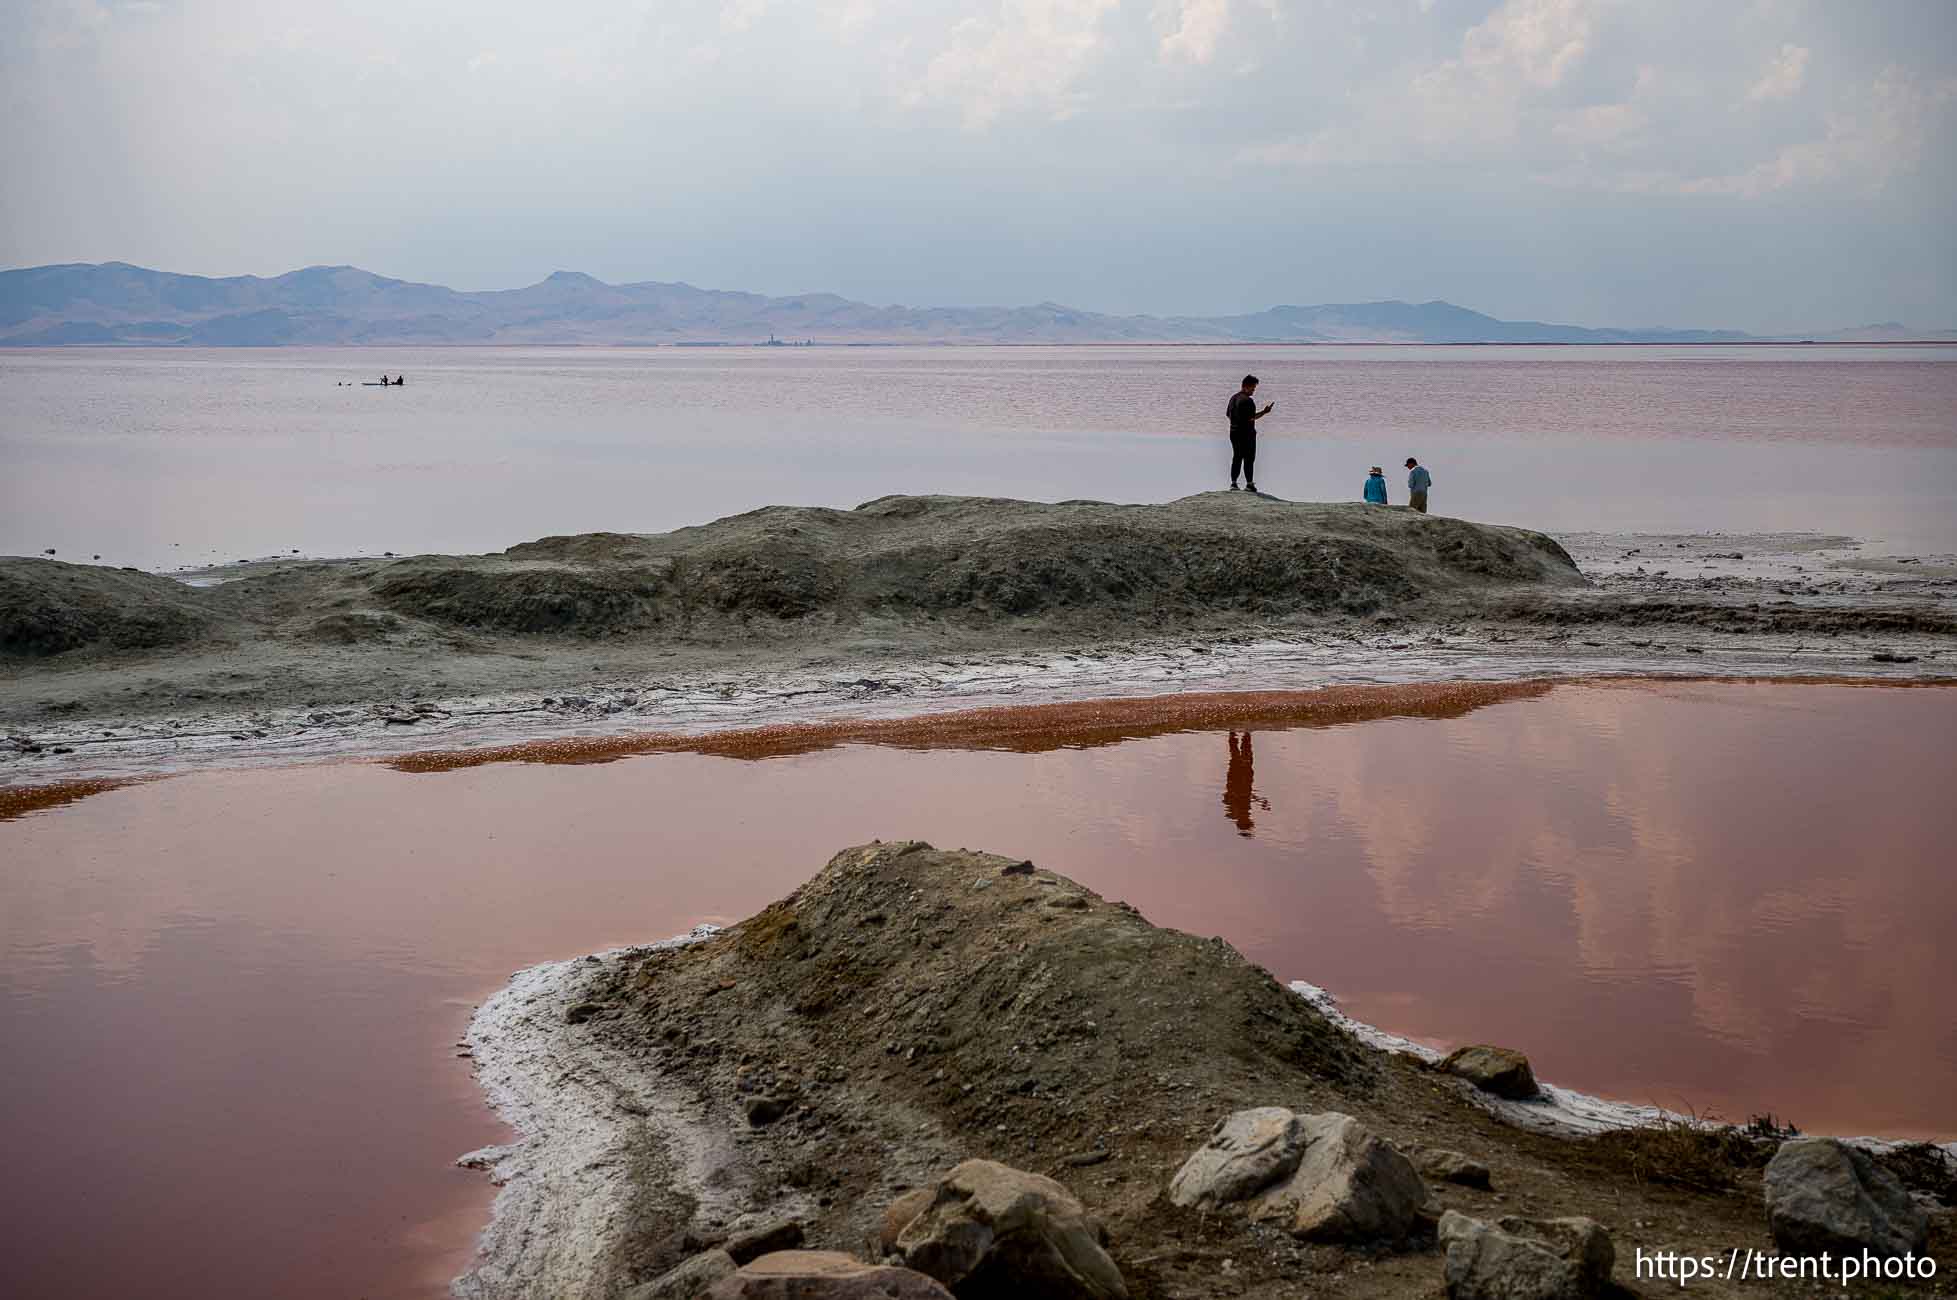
x=1770 y=165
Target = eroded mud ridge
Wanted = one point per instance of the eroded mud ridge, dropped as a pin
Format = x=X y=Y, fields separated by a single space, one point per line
x=911 y=1008
x=973 y=561
x=906 y=604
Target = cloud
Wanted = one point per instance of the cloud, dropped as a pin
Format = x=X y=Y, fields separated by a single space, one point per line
x=1476 y=100
x=1200 y=24
x=1561 y=94
x=1539 y=41
x=1784 y=77
x=1883 y=136
x=1026 y=55
x=1146 y=147
x=739 y=15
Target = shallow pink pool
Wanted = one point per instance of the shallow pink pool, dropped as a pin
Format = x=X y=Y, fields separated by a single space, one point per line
x=230 y=1000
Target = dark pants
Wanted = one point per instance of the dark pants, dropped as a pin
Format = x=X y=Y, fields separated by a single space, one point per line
x=1243 y=455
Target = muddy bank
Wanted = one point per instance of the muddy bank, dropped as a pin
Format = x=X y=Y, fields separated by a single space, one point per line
x=907 y=604
x=910 y=1008
x=793 y=574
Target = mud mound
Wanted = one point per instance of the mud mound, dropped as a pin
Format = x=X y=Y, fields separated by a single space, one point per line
x=532 y=598
x=357 y=628
x=582 y=548
x=980 y=562
x=910 y=1006
x=1779 y=617
x=977 y=963
x=49 y=608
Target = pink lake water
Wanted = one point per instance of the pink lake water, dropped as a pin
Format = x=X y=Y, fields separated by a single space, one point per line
x=167 y=458
x=230 y=999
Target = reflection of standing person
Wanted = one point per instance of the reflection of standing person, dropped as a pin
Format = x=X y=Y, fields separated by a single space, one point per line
x=1418 y=481
x=1238 y=794
x=1244 y=416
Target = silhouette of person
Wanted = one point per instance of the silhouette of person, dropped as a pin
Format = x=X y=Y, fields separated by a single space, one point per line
x=1238 y=795
x=1244 y=415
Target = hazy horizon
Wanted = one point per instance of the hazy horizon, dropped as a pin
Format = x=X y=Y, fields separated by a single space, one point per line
x=1786 y=168
x=556 y=272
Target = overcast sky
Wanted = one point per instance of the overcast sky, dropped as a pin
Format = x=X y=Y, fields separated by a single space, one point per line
x=1758 y=164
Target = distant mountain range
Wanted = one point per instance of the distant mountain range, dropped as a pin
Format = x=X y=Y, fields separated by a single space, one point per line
x=115 y=303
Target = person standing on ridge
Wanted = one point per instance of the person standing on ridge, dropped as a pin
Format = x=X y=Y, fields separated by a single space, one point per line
x=1418 y=481
x=1244 y=416
x=1376 y=486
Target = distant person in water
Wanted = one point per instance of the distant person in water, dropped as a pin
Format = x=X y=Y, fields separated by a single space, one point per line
x=1376 y=486
x=1418 y=481
x=1244 y=416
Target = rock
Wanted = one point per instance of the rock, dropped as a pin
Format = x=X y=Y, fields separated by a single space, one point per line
x=822 y=1275
x=1452 y=1167
x=583 y=1011
x=1824 y=1195
x=688 y=1280
x=1525 y=1259
x=1499 y=1070
x=900 y=1213
x=1023 y=867
x=763 y=1110
x=1245 y=1154
x=1350 y=1186
x=745 y=1247
x=992 y=1231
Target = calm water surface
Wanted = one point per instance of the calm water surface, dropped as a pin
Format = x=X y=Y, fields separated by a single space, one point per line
x=229 y=999
x=174 y=458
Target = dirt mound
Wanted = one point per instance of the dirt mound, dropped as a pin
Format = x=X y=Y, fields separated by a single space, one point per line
x=910 y=1008
x=977 y=562
x=356 y=628
x=532 y=599
x=1725 y=615
x=582 y=548
x=48 y=608
x=977 y=1004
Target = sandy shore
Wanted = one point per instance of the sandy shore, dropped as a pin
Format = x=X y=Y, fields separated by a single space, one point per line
x=304 y=661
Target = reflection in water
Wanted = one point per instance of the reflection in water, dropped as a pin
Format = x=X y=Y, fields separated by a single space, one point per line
x=20 y=800
x=1239 y=793
x=228 y=1000
x=1031 y=729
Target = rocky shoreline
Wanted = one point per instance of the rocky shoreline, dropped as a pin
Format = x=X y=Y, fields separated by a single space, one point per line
x=876 y=1064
